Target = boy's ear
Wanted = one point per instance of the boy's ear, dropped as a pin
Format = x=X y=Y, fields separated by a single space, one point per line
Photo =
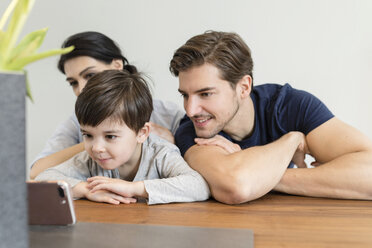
x=143 y=133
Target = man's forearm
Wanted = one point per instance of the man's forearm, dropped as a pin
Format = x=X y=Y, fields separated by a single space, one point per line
x=248 y=174
x=347 y=177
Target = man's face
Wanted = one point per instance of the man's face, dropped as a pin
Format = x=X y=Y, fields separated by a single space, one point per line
x=210 y=102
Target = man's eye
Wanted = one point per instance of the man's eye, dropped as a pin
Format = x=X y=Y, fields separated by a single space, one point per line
x=206 y=94
x=184 y=95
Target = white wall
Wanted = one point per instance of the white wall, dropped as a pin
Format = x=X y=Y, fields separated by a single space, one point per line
x=321 y=46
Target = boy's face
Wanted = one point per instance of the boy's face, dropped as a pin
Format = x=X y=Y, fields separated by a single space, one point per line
x=112 y=144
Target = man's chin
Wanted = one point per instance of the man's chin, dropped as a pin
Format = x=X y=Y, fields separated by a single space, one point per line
x=205 y=135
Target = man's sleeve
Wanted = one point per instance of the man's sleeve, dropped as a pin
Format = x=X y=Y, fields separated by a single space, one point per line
x=302 y=111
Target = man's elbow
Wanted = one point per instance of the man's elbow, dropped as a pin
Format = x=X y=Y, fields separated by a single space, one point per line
x=234 y=192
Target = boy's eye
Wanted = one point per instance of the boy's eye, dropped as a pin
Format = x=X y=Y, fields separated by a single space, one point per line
x=111 y=137
x=87 y=136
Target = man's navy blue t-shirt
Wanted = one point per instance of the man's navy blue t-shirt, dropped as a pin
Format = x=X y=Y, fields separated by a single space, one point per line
x=278 y=110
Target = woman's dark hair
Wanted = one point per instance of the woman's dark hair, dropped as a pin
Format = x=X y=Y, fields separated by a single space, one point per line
x=116 y=95
x=95 y=45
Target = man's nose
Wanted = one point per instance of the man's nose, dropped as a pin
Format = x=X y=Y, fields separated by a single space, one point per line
x=192 y=107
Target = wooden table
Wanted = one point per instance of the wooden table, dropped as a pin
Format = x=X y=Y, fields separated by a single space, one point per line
x=277 y=220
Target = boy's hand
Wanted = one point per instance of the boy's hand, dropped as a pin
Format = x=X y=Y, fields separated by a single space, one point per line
x=117 y=186
x=109 y=197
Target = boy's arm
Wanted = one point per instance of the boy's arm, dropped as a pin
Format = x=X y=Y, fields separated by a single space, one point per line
x=345 y=170
x=177 y=181
x=117 y=186
x=247 y=174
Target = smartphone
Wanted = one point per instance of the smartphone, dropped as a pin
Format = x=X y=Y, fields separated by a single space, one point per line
x=50 y=203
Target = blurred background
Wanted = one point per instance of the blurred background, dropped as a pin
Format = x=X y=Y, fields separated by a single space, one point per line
x=322 y=46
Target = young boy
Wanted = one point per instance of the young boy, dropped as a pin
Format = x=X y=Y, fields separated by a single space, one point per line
x=121 y=162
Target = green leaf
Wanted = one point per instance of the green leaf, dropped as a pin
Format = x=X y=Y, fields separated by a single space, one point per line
x=15 y=26
x=14 y=57
x=7 y=13
x=22 y=62
x=28 y=46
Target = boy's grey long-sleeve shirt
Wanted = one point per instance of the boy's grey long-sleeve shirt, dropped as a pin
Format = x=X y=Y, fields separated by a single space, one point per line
x=166 y=175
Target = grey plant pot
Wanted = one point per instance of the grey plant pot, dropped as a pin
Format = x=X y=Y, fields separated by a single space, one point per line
x=13 y=191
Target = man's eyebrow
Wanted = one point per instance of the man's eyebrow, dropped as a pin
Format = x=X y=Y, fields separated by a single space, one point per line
x=199 y=90
x=81 y=73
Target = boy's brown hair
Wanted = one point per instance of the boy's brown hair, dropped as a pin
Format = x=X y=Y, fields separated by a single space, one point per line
x=118 y=95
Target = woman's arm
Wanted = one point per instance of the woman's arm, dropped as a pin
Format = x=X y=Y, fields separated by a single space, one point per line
x=61 y=146
x=55 y=159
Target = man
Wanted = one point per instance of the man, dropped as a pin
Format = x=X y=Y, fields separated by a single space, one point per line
x=242 y=139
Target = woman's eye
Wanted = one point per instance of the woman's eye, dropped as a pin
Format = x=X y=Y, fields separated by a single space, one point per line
x=74 y=83
x=89 y=75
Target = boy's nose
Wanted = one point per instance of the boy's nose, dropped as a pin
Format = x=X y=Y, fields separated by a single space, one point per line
x=98 y=147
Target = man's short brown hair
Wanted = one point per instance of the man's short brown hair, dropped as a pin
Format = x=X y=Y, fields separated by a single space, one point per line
x=118 y=95
x=227 y=51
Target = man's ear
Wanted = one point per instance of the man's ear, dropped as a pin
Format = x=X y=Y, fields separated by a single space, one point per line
x=117 y=64
x=143 y=133
x=244 y=86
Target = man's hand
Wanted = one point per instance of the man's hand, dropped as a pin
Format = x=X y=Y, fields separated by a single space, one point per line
x=161 y=132
x=299 y=155
x=220 y=141
x=120 y=187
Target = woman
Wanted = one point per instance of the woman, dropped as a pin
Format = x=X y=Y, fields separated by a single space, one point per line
x=94 y=52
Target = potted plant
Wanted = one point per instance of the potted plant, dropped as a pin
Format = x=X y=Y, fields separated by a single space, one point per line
x=13 y=90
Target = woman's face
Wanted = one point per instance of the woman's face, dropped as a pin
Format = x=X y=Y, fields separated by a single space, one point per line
x=79 y=69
